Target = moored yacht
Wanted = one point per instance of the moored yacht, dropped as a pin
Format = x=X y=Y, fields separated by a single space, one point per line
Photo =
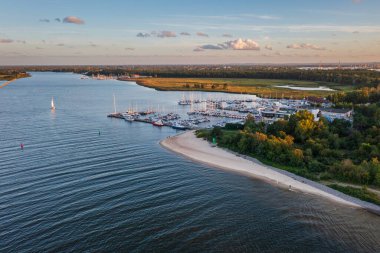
x=158 y=123
x=178 y=126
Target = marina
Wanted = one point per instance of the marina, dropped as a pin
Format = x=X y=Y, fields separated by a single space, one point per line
x=218 y=111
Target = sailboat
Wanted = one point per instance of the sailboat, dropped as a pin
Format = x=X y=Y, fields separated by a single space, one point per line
x=52 y=104
x=115 y=114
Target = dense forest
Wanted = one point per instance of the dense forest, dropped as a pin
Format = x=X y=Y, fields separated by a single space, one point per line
x=359 y=77
x=320 y=150
x=360 y=96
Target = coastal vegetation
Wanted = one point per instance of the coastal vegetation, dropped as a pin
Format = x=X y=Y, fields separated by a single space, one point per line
x=258 y=80
x=360 y=193
x=260 y=87
x=253 y=79
x=340 y=150
x=8 y=75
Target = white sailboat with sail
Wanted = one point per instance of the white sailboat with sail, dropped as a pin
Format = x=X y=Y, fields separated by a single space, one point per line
x=52 y=106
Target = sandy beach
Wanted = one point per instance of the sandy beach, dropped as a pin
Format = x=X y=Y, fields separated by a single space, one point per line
x=197 y=149
x=6 y=83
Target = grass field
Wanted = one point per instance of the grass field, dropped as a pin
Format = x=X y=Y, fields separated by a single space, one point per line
x=261 y=87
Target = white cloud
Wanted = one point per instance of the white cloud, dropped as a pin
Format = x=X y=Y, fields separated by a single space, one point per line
x=305 y=46
x=73 y=20
x=239 y=44
x=268 y=47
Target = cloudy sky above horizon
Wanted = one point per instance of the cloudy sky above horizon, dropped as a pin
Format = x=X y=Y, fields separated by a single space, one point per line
x=188 y=32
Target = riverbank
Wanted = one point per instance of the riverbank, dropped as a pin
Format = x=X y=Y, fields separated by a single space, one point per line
x=188 y=145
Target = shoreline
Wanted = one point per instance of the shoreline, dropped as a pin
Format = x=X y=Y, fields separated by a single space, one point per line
x=7 y=83
x=199 y=150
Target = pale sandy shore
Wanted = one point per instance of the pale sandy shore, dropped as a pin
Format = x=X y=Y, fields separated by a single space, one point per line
x=6 y=83
x=202 y=151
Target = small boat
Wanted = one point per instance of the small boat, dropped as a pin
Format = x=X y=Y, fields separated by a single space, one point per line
x=129 y=117
x=158 y=123
x=178 y=126
x=52 y=104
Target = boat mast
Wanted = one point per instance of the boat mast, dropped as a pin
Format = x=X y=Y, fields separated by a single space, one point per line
x=114 y=103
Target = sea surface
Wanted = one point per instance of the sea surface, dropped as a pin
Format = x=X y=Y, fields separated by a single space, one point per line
x=88 y=183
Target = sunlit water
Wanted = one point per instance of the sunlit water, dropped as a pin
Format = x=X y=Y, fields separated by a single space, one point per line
x=320 y=88
x=73 y=190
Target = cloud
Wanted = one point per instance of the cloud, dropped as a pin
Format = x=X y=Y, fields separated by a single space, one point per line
x=213 y=47
x=73 y=20
x=165 y=34
x=60 y=45
x=226 y=35
x=93 y=45
x=39 y=48
x=6 y=41
x=305 y=46
x=45 y=20
x=129 y=48
x=268 y=47
x=201 y=34
x=143 y=35
x=57 y=19
x=185 y=34
x=355 y=32
x=21 y=41
x=158 y=34
x=198 y=49
x=239 y=44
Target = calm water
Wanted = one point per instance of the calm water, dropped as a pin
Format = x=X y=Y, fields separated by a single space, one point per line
x=72 y=190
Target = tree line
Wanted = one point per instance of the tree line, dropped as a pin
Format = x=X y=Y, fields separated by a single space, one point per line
x=319 y=150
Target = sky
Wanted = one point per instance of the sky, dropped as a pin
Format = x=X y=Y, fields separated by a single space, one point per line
x=46 y=32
